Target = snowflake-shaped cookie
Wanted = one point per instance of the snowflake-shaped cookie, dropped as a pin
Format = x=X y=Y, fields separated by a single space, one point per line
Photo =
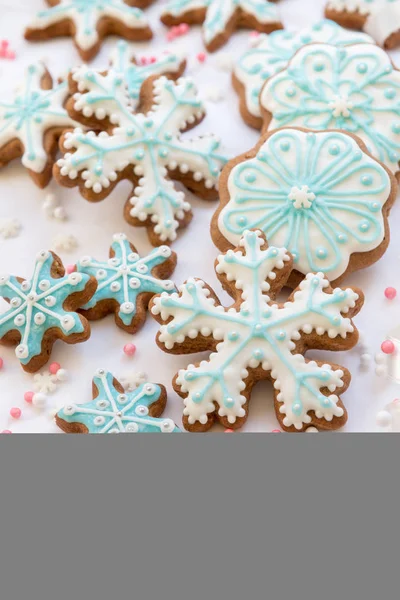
x=145 y=148
x=89 y=21
x=379 y=18
x=126 y=282
x=114 y=411
x=42 y=310
x=124 y=60
x=257 y=338
x=31 y=124
x=222 y=17
x=317 y=194
x=271 y=53
x=355 y=88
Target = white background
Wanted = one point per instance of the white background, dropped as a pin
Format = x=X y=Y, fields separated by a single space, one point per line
x=94 y=224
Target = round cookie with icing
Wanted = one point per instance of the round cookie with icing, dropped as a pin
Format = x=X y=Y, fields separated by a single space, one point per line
x=356 y=89
x=113 y=410
x=220 y=18
x=89 y=21
x=145 y=147
x=32 y=122
x=43 y=310
x=378 y=18
x=271 y=53
x=127 y=282
x=321 y=195
x=258 y=338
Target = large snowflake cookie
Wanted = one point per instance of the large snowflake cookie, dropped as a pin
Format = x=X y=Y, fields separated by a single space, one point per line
x=222 y=17
x=271 y=53
x=258 y=338
x=124 y=60
x=32 y=123
x=112 y=410
x=379 y=18
x=356 y=89
x=42 y=310
x=144 y=147
x=127 y=282
x=89 y=21
x=318 y=194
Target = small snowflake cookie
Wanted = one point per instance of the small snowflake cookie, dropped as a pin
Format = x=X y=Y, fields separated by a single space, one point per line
x=271 y=53
x=222 y=17
x=356 y=89
x=144 y=147
x=379 y=18
x=89 y=21
x=42 y=310
x=124 y=60
x=318 y=194
x=258 y=338
x=32 y=123
x=127 y=282
x=112 y=410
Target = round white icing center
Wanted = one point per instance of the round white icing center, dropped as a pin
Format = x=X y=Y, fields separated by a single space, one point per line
x=341 y=106
x=301 y=197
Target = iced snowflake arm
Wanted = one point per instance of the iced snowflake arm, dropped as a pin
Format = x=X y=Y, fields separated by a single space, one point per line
x=114 y=411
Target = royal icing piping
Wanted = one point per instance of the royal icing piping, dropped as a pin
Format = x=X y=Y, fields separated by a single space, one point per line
x=125 y=276
x=124 y=60
x=220 y=12
x=33 y=112
x=258 y=333
x=36 y=306
x=115 y=412
x=355 y=89
x=316 y=194
x=271 y=54
x=150 y=143
x=86 y=15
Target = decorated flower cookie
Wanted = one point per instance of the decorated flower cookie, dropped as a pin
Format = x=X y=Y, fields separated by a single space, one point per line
x=258 y=338
x=356 y=89
x=271 y=53
x=144 y=147
x=124 y=60
x=379 y=18
x=126 y=282
x=222 y=17
x=115 y=411
x=42 y=310
x=32 y=123
x=89 y=21
x=318 y=194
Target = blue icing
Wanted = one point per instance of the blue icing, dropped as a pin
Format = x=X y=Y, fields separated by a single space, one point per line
x=115 y=412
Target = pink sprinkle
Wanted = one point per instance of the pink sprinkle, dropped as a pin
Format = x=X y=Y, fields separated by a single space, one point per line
x=183 y=28
x=255 y=34
x=1 y=363
x=129 y=349
x=388 y=347
x=16 y=412
x=229 y=431
x=28 y=397
x=276 y=431
x=54 y=368
x=6 y=431
x=201 y=57
x=390 y=293
x=70 y=269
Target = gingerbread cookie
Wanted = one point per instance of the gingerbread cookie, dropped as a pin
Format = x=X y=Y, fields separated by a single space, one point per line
x=356 y=89
x=144 y=147
x=271 y=53
x=89 y=21
x=126 y=282
x=222 y=17
x=124 y=60
x=318 y=194
x=114 y=411
x=258 y=338
x=31 y=124
x=42 y=310
x=379 y=18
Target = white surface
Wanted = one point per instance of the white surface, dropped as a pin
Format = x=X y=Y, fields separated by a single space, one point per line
x=94 y=224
